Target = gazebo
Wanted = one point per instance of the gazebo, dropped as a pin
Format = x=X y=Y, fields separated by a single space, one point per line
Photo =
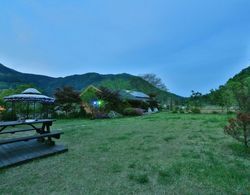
x=28 y=146
x=30 y=96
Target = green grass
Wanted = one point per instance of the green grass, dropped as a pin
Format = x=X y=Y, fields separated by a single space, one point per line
x=157 y=154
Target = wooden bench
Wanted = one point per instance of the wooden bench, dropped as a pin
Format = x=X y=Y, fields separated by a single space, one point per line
x=18 y=130
x=39 y=137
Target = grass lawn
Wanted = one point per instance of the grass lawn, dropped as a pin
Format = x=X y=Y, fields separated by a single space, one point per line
x=156 y=154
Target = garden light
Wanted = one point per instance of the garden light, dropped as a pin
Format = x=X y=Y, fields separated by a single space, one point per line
x=97 y=103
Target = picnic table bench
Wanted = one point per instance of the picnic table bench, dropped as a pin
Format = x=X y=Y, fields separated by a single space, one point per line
x=42 y=132
x=25 y=147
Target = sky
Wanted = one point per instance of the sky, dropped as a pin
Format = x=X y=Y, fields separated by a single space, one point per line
x=191 y=44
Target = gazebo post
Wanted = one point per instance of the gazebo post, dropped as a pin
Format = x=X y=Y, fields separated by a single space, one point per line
x=27 y=115
x=47 y=111
x=34 y=114
x=12 y=109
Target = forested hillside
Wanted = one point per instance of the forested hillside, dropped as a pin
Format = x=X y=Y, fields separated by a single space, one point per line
x=236 y=92
x=10 y=78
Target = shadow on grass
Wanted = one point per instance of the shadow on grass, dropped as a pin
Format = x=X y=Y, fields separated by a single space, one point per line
x=169 y=174
x=104 y=147
x=116 y=168
x=119 y=138
x=144 y=148
x=169 y=138
x=240 y=150
x=141 y=178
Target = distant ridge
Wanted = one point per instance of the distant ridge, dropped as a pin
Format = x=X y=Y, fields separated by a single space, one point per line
x=10 y=78
x=241 y=76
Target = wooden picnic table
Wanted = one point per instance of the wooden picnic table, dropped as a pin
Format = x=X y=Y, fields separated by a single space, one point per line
x=42 y=132
x=19 y=149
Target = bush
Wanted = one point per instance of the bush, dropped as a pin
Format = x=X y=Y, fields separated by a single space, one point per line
x=133 y=111
x=100 y=115
x=113 y=114
x=182 y=111
x=239 y=128
x=196 y=111
x=111 y=98
x=175 y=111
x=230 y=112
x=8 y=116
x=69 y=111
x=139 y=104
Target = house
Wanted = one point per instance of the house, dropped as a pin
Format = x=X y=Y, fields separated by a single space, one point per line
x=136 y=99
x=131 y=98
x=131 y=95
x=88 y=97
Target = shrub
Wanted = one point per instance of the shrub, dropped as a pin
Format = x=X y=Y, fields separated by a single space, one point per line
x=230 y=112
x=8 y=116
x=239 y=128
x=153 y=104
x=100 y=115
x=139 y=104
x=111 y=97
x=196 y=111
x=133 y=111
x=69 y=111
x=182 y=111
x=174 y=111
x=113 y=114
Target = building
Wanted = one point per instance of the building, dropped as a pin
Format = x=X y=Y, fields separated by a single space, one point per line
x=131 y=95
x=88 y=96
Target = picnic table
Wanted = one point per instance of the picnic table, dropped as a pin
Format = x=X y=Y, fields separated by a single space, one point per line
x=25 y=146
x=43 y=132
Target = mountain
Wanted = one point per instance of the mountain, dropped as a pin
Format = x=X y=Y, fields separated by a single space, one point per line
x=10 y=78
x=245 y=73
x=242 y=76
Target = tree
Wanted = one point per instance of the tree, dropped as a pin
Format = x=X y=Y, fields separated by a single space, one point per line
x=17 y=90
x=196 y=98
x=241 y=92
x=68 y=101
x=153 y=103
x=222 y=97
x=67 y=94
x=154 y=80
x=239 y=127
x=110 y=97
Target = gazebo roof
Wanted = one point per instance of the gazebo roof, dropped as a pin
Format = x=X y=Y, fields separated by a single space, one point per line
x=31 y=91
x=30 y=95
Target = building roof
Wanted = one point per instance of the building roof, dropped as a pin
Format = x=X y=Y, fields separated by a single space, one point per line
x=91 y=87
x=138 y=94
x=89 y=94
x=133 y=95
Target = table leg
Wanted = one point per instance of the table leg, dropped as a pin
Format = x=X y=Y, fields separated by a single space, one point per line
x=46 y=129
x=42 y=131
